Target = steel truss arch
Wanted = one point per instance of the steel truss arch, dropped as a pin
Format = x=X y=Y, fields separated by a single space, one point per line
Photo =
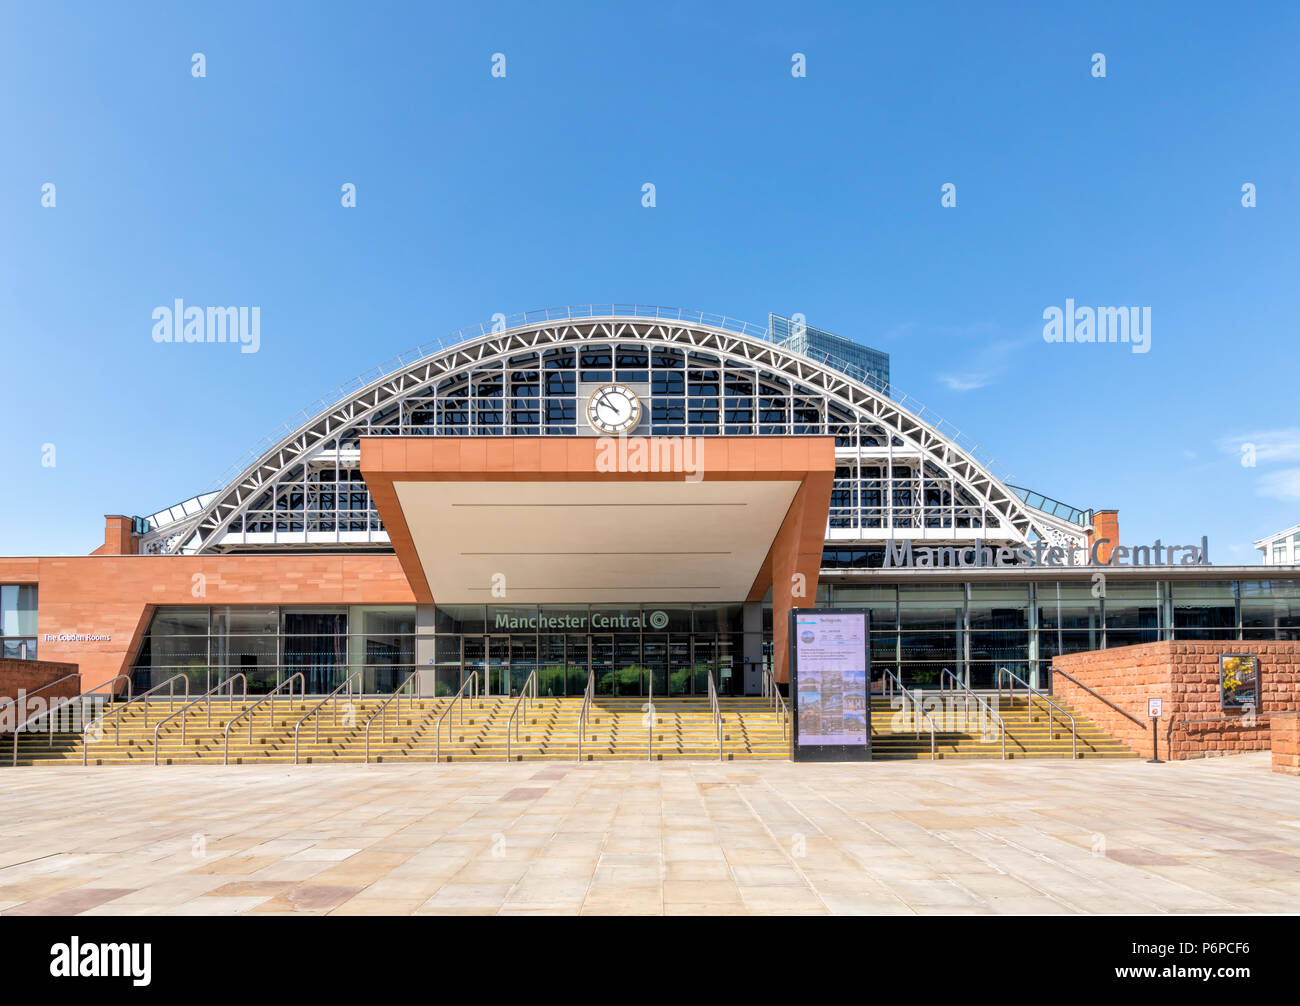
x=203 y=531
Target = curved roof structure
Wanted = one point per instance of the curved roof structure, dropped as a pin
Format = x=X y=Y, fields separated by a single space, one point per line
x=901 y=471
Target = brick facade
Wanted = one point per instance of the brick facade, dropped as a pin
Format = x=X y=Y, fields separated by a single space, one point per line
x=114 y=596
x=1185 y=674
x=1285 y=729
x=1105 y=525
x=29 y=675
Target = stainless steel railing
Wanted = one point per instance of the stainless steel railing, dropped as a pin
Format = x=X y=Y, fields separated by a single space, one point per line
x=206 y=697
x=959 y=685
x=27 y=695
x=268 y=697
x=650 y=721
x=588 y=696
x=917 y=705
x=512 y=724
x=116 y=711
x=67 y=702
x=717 y=713
x=1097 y=695
x=314 y=711
x=458 y=701
x=1030 y=692
x=776 y=700
x=382 y=712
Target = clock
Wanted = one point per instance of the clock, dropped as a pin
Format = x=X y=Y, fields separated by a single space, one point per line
x=613 y=408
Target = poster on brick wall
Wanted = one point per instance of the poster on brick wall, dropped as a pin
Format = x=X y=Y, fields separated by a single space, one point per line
x=1238 y=681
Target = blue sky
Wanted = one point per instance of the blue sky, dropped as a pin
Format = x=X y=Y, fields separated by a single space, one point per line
x=818 y=195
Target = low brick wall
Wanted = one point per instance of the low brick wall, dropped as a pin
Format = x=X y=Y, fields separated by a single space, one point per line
x=1185 y=674
x=29 y=675
x=1285 y=730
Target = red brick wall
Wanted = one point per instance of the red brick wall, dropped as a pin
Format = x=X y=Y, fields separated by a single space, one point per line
x=1285 y=728
x=1185 y=674
x=1105 y=524
x=29 y=675
x=115 y=596
x=118 y=539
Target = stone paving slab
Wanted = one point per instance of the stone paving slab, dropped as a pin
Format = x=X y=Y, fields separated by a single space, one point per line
x=1020 y=837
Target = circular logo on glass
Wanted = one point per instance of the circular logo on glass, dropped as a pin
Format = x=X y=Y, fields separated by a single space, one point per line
x=658 y=619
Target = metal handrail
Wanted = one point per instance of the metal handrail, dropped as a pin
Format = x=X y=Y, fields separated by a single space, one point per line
x=650 y=720
x=777 y=701
x=946 y=674
x=346 y=683
x=916 y=704
x=717 y=712
x=457 y=700
x=382 y=711
x=588 y=695
x=205 y=697
x=1030 y=692
x=520 y=703
x=80 y=697
x=49 y=684
x=268 y=697
x=1097 y=695
x=170 y=684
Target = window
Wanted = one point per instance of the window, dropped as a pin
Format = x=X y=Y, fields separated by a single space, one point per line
x=18 y=621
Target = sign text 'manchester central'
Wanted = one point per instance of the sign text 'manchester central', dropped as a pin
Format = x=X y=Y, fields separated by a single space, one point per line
x=904 y=553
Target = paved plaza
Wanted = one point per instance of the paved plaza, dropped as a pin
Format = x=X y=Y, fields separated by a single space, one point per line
x=1219 y=835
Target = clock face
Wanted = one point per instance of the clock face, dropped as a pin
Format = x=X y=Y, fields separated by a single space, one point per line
x=613 y=408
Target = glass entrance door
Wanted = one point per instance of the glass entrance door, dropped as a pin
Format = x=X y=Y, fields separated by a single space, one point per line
x=654 y=657
x=629 y=674
x=315 y=643
x=523 y=661
x=602 y=663
x=578 y=660
x=702 y=663
x=497 y=680
x=550 y=665
x=474 y=659
x=679 y=665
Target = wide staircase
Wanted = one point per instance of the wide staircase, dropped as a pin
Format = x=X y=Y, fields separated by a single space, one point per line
x=490 y=728
x=968 y=729
x=303 y=729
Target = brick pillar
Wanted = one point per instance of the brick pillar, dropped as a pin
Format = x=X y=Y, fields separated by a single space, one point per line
x=118 y=537
x=1285 y=731
x=1105 y=524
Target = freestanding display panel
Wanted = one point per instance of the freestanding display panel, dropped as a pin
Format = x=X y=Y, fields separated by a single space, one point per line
x=830 y=684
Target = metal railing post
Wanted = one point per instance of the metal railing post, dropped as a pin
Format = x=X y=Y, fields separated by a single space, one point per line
x=314 y=712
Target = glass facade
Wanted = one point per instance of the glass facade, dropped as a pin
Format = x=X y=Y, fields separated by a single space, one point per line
x=870 y=366
x=268 y=644
x=917 y=630
x=18 y=621
x=630 y=649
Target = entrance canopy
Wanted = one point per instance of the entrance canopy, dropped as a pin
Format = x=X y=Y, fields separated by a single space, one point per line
x=604 y=519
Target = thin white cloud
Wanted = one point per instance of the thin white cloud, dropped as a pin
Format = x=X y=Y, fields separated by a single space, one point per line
x=964 y=382
x=1268 y=445
x=1283 y=484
